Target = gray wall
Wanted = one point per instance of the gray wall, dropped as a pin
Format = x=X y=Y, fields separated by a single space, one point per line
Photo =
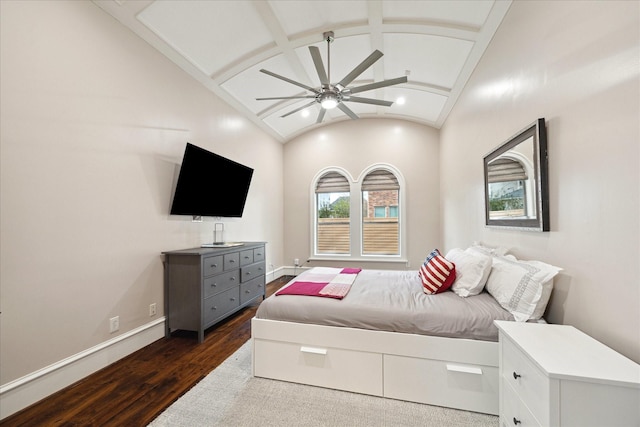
x=94 y=125
x=575 y=64
x=354 y=145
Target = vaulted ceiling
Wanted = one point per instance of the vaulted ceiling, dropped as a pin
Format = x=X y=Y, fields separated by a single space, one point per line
x=225 y=44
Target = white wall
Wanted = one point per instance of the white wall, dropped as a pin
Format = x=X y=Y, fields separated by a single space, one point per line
x=574 y=63
x=354 y=145
x=94 y=125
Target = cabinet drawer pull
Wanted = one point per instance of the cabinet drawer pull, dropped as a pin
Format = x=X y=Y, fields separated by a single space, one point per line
x=464 y=369
x=516 y=376
x=233 y=299
x=248 y=273
x=313 y=350
x=247 y=291
x=214 y=308
x=214 y=285
x=232 y=261
x=516 y=421
x=214 y=265
x=232 y=278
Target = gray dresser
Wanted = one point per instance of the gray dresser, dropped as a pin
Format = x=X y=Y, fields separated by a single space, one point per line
x=205 y=285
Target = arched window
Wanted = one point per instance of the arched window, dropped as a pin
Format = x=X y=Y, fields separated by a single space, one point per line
x=369 y=227
x=380 y=213
x=332 y=214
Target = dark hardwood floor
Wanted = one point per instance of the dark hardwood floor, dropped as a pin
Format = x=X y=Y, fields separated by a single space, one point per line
x=136 y=389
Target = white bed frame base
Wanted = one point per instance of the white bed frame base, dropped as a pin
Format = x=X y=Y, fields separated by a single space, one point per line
x=449 y=372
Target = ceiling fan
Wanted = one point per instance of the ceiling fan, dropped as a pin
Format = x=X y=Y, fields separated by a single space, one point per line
x=330 y=95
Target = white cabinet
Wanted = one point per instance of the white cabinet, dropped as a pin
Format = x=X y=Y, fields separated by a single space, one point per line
x=555 y=375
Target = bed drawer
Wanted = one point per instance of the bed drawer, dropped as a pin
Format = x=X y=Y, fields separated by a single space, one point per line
x=436 y=382
x=360 y=372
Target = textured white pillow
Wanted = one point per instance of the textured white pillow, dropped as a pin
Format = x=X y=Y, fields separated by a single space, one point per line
x=521 y=287
x=488 y=250
x=472 y=270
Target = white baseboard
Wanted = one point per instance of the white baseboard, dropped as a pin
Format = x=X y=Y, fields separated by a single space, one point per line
x=22 y=392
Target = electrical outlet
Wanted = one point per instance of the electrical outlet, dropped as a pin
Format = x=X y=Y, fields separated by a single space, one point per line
x=296 y=262
x=114 y=324
x=152 y=309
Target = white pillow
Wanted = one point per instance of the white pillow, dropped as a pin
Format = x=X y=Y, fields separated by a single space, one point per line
x=488 y=250
x=472 y=270
x=521 y=287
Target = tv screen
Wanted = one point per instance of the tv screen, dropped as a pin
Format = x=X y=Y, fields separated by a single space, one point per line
x=210 y=185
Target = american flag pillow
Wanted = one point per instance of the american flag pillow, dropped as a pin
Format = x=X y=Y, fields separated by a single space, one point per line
x=437 y=273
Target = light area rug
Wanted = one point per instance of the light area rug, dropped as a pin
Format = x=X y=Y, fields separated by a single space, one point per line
x=230 y=396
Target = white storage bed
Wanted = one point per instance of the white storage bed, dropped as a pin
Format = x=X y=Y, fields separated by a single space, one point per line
x=441 y=370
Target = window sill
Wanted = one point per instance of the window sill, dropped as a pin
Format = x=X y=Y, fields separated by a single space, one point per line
x=348 y=258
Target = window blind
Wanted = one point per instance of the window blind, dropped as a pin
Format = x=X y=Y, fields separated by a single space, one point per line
x=505 y=170
x=332 y=182
x=380 y=180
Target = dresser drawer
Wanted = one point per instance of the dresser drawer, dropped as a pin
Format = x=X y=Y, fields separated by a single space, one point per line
x=221 y=282
x=251 y=289
x=231 y=261
x=252 y=271
x=514 y=411
x=246 y=257
x=356 y=371
x=212 y=265
x=525 y=380
x=221 y=304
x=258 y=254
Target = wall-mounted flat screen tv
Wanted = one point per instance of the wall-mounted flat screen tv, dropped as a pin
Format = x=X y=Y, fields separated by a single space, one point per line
x=210 y=185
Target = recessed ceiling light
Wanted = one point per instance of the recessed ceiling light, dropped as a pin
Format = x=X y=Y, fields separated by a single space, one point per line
x=401 y=100
x=305 y=113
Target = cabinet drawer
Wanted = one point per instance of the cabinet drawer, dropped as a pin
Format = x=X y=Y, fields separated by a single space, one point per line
x=212 y=265
x=246 y=257
x=252 y=271
x=258 y=254
x=221 y=304
x=251 y=289
x=231 y=261
x=348 y=370
x=220 y=283
x=526 y=380
x=514 y=412
x=437 y=382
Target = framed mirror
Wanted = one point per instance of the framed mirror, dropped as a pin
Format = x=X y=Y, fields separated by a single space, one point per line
x=516 y=181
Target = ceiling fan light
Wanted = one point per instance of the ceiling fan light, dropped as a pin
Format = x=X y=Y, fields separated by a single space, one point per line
x=329 y=101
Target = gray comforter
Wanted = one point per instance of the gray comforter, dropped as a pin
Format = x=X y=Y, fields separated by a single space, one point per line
x=392 y=301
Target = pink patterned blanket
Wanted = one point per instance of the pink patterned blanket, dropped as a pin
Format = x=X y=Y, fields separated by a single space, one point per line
x=325 y=282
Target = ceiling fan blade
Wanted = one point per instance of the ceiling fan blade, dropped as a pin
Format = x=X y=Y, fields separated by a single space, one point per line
x=321 y=115
x=278 y=76
x=317 y=61
x=377 y=85
x=348 y=111
x=369 y=101
x=368 y=62
x=298 y=109
x=285 y=97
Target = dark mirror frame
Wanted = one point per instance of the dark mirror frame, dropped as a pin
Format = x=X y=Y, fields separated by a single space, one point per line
x=537 y=130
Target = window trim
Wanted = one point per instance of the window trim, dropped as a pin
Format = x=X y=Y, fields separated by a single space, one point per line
x=355 y=236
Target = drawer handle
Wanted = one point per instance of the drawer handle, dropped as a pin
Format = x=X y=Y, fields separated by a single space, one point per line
x=516 y=376
x=516 y=421
x=214 y=285
x=232 y=261
x=248 y=273
x=313 y=350
x=232 y=278
x=214 y=308
x=233 y=299
x=465 y=369
x=247 y=291
x=214 y=265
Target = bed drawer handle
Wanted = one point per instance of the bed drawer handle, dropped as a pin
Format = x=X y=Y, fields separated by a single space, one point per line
x=464 y=369
x=313 y=350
